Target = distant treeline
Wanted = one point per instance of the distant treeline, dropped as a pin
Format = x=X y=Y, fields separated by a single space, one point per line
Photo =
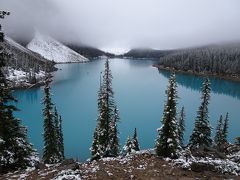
x=146 y=53
x=216 y=60
x=89 y=52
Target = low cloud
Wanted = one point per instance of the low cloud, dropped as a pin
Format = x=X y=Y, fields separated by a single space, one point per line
x=123 y=24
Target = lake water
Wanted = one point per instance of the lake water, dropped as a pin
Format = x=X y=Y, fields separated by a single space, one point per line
x=140 y=95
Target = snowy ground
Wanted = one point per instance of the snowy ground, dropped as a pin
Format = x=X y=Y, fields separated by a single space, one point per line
x=142 y=165
x=19 y=78
x=227 y=165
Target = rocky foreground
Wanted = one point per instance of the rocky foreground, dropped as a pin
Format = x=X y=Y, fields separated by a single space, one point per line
x=144 y=165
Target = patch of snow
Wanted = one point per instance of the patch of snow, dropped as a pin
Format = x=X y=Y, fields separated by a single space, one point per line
x=17 y=76
x=222 y=165
x=141 y=167
x=147 y=151
x=43 y=174
x=109 y=173
x=68 y=174
x=53 y=50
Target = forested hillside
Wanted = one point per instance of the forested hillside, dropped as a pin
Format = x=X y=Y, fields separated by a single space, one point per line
x=24 y=59
x=146 y=53
x=216 y=60
x=24 y=68
x=89 y=52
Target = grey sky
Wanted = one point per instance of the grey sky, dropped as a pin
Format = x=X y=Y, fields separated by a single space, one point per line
x=161 y=24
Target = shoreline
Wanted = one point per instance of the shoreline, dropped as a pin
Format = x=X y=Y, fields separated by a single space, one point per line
x=189 y=72
x=27 y=86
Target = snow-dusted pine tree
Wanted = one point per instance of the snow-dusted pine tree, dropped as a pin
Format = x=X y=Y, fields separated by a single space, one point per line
x=181 y=127
x=56 y=130
x=167 y=142
x=95 y=144
x=58 y=134
x=218 y=139
x=61 y=140
x=225 y=129
x=237 y=141
x=15 y=150
x=113 y=134
x=135 y=143
x=201 y=135
x=128 y=147
x=106 y=112
x=50 y=151
x=97 y=148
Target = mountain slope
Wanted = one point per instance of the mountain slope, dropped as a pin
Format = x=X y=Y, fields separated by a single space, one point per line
x=53 y=50
x=24 y=67
x=220 y=60
x=23 y=58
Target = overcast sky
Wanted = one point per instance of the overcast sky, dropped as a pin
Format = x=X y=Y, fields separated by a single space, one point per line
x=124 y=24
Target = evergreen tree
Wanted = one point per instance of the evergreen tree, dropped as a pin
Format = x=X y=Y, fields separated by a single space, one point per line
x=219 y=132
x=225 y=129
x=61 y=140
x=50 y=153
x=181 y=126
x=113 y=135
x=94 y=149
x=58 y=135
x=97 y=148
x=135 y=141
x=128 y=147
x=237 y=141
x=15 y=150
x=201 y=135
x=56 y=126
x=167 y=141
x=106 y=119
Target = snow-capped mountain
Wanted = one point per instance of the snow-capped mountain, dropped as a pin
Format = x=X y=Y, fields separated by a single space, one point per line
x=51 y=49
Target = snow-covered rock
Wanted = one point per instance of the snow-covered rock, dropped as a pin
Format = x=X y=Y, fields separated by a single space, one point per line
x=53 y=50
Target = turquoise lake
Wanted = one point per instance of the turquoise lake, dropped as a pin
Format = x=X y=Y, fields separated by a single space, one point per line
x=140 y=95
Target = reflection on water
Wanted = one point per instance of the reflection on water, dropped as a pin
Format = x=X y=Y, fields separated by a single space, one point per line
x=31 y=95
x=194 y=82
